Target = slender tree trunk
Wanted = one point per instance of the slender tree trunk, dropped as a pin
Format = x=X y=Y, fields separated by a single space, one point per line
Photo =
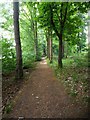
x=47 y=45
x=63 y=49
x=47 y=48
x=35 y=34
x=66 y=49
x=36 y=41
x=19 y=69
x=60 y=52
x=51 y=52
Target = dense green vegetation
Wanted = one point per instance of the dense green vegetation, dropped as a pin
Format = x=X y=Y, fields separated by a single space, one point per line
x=57 y=30
x=74 y=75
x=26 y=36
x=36 y=24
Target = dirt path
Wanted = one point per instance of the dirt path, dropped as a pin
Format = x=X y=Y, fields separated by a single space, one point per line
x=43 y=96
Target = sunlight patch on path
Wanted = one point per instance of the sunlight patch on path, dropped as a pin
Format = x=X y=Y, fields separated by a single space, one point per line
x=43 y=62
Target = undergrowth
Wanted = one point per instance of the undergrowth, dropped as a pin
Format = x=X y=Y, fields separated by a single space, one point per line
x=8 y=108
x=74 y=76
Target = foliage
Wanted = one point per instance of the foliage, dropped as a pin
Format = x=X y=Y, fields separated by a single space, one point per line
x=8 y=56
x=72 y=42
x=28 y=60
x=8 y=108
x=74 y=76
x=62 y=16
x=26 y=35
x=35 y=19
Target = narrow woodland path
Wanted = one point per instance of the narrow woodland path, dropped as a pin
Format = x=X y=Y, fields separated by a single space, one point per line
x=43 y=96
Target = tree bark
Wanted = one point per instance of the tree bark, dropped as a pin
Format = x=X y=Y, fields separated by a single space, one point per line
x=47 y=48
x=47 y=44
x=60 y=52
x=63 y=49
x=51 y=51
x=19 y=69
x=36 y=40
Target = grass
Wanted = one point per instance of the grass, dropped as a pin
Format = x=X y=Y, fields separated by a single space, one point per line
x=8 y=108
x=74 y=76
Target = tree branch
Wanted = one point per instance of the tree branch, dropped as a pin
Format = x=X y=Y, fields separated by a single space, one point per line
x=52 y=22
x=65 y=14
x=61 y=12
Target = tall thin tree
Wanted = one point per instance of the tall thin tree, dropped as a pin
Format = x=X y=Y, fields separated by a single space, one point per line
x=19 y=69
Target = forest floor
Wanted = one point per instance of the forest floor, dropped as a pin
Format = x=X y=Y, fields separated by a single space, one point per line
x=43 y=96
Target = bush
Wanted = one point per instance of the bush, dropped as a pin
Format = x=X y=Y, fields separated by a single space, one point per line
x=28 y=60
x=81 y=60
x=8 y=56
x=73 y=75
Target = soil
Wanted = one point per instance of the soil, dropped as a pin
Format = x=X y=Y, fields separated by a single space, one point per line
x=44 y=96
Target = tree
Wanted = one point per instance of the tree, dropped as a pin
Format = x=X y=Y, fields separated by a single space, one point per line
x=32 y=15
x=61 y=16
x=46 y=25
x=55 y=12
x=19 y=69
x=48 y=34
x=59 y=32
x=35 y=30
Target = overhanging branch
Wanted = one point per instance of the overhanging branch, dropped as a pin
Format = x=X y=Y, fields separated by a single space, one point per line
x=52 y=22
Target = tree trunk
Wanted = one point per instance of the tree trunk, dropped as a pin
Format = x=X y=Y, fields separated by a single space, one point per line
x=51 y=52
x=47 y=48
x=66 y=49
x=36 y=40
x=63 y=49
x=19 y=69
x=47 y=45
x=60 y=52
